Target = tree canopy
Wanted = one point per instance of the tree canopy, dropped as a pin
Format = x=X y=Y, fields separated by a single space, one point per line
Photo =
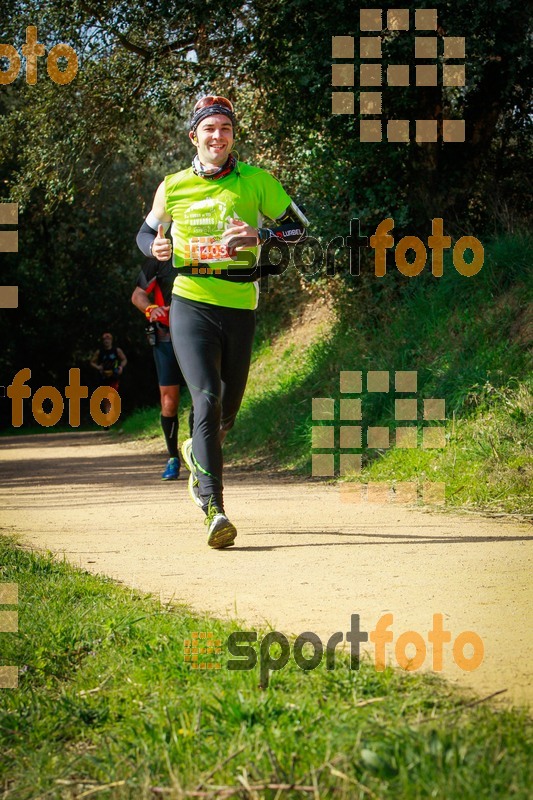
x=83 y=159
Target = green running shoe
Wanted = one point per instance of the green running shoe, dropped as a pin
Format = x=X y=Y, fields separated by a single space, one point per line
x=194 y=484
x=221 y=532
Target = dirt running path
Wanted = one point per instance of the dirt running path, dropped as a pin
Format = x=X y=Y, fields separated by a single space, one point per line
x=302 y=561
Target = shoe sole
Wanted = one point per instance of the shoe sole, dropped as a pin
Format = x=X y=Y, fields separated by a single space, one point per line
x=185 y=456
x=174 y=478
x=192 y=493
x=223 y=537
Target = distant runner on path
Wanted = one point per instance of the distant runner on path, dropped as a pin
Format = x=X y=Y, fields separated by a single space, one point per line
x=109 y=361
x=216 y=208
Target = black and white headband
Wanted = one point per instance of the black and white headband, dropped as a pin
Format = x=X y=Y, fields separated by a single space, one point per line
x=208 y=111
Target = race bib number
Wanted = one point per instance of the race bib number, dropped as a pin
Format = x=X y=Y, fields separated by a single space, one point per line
x=208 y=249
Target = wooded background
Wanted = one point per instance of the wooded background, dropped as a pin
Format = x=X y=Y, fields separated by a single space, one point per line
x=83 y=160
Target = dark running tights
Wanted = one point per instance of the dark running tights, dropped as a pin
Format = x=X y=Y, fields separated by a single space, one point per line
x=213 y=345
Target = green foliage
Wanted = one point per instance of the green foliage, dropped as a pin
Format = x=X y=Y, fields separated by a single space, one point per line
x=145 y=423
x=470 y=185
x=467 y=339
x=83 y=160
x=106 y=703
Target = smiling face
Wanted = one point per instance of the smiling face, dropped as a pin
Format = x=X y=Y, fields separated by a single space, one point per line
x=213 y=140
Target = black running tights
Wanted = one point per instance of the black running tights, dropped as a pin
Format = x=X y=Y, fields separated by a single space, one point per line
x=213 y=345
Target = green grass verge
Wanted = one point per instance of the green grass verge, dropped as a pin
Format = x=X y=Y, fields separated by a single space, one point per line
x=106 y=699
x=467 y=339
x=145 y=423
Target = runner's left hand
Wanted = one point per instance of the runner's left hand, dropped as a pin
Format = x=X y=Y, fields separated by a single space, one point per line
x=240 y=236
x=158 y=312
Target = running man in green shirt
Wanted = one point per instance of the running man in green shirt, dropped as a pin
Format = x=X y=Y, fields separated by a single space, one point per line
x=216 y=208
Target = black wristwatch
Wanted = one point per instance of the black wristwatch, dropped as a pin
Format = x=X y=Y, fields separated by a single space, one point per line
x=264 y=235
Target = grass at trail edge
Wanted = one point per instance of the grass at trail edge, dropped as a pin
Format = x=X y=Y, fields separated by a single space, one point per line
x=106 y=699
x=467 y=338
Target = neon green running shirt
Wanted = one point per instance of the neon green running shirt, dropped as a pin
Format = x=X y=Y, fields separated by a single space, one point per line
x=201 y=210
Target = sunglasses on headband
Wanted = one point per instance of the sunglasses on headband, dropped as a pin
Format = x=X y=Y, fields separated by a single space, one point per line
x=213 y=100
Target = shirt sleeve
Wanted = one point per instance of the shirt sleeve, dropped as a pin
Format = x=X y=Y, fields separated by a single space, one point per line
x=147 y=276
x=274 y=198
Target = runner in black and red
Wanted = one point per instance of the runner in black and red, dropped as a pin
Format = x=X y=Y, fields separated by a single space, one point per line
x=156 y=279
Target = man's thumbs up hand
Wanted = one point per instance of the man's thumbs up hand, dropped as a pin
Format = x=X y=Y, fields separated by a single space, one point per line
x=161 y=246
